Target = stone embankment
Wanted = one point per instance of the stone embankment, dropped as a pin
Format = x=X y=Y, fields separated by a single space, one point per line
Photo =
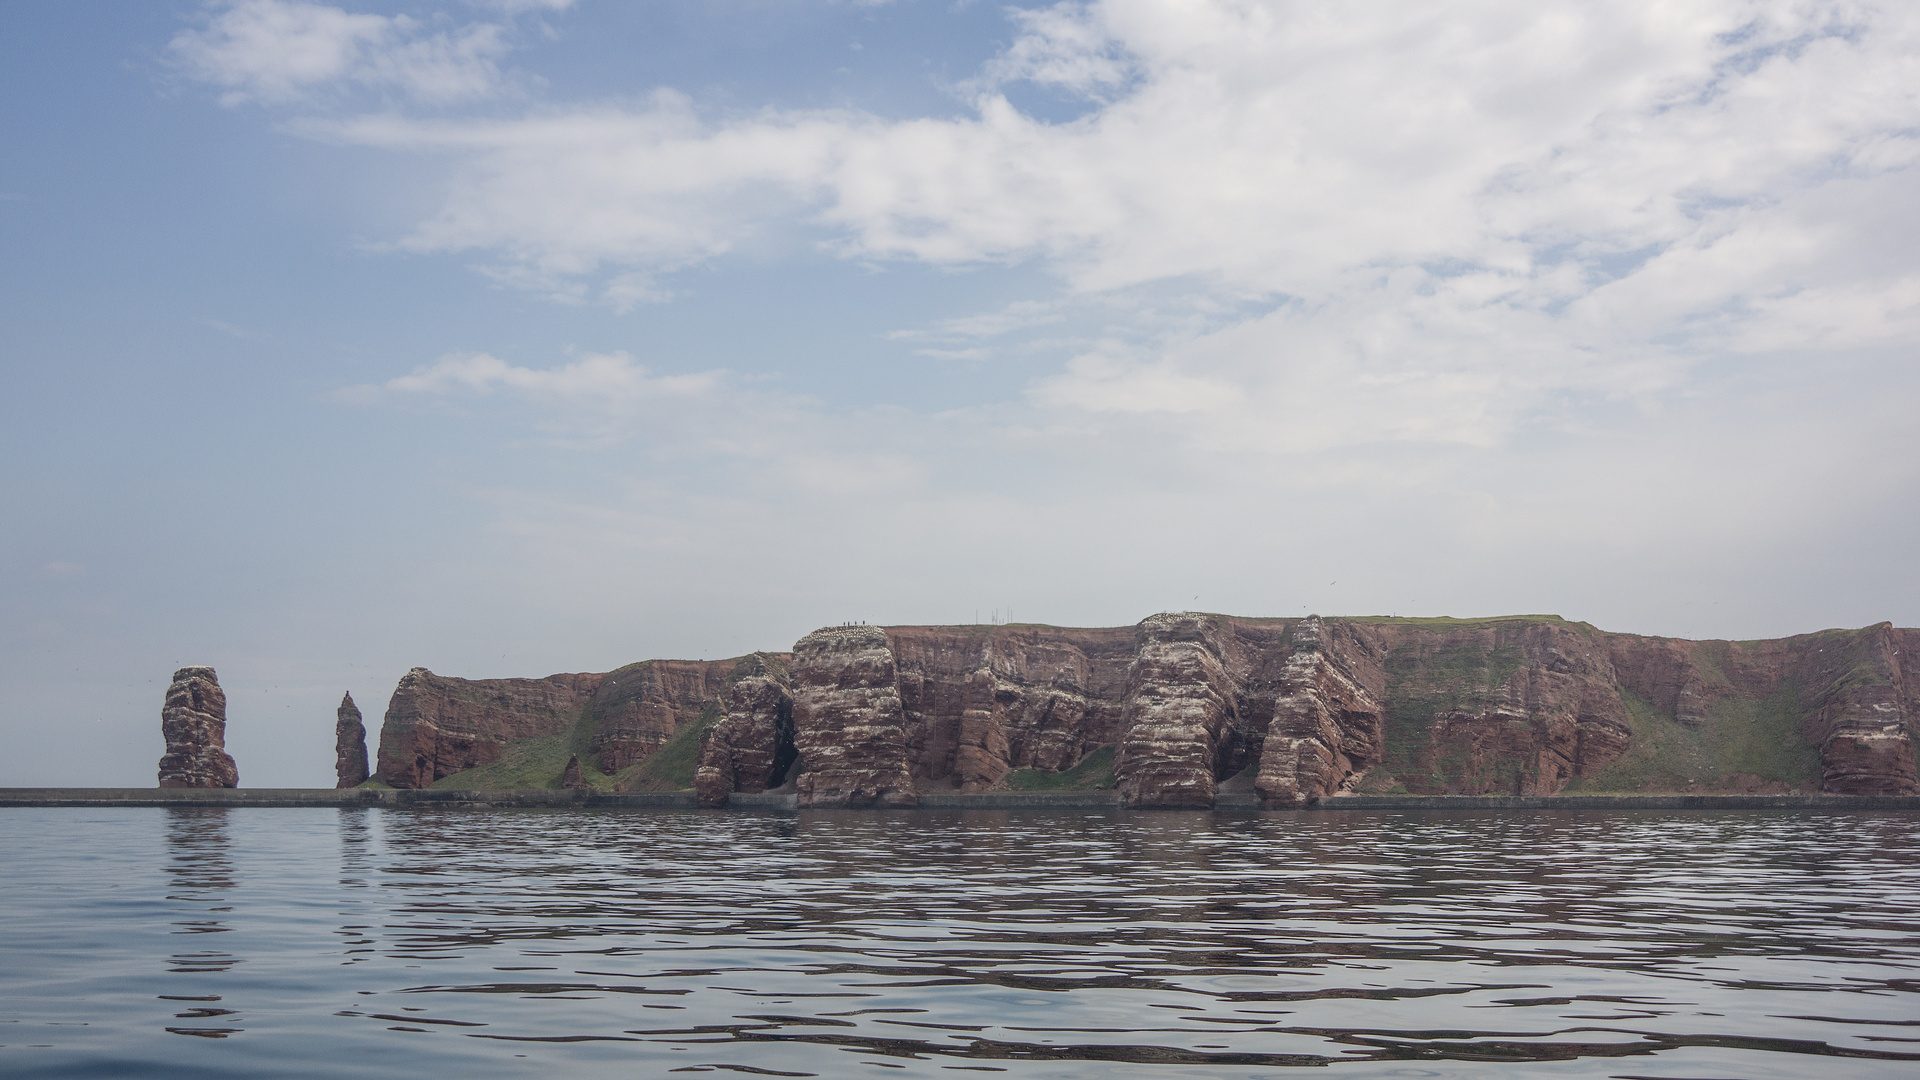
x=435 y=798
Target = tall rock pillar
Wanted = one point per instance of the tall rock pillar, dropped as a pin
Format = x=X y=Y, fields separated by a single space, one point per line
x=194 y=722
x=849 y=724
x=349 y=745
x=1179 y=706
x=1326 y=726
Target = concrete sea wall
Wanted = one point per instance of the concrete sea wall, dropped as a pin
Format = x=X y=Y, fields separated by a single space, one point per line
x=402 y=798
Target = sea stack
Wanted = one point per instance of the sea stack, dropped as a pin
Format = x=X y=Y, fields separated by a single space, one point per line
x=194 y=721
x=349 y=745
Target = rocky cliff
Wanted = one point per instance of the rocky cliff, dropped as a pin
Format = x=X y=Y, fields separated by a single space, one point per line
x=1189 y=704
x=193 y=720
x=437 y=726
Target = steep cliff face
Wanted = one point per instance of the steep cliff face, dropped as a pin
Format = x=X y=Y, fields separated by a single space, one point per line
x=849 y=724
x=193 y=720
x=1327 y=727
x=1295 y=709
x=637 y=709
x=1859 y=700
x=1180 y=713
x=752 y=749
x=981 y=701
x=1500 y=707
x=437 y=726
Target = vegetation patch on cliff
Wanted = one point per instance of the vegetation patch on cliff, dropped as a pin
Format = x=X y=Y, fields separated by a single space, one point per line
x=1093 y=773
x=1422 y=684
x=1746 y=745
x=524 y=763
x=1448 y=622
x=671 y=767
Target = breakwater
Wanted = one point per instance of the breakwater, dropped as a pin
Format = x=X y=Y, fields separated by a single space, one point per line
x=991 y=800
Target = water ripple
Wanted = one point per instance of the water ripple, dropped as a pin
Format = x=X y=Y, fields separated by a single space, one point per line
x=503 y=943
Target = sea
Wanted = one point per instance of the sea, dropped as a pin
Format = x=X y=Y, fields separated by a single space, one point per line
x=421 y=943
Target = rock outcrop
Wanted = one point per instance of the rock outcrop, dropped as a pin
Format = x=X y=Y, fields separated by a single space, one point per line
x=437 y=726
x=1861 y=711
x=571 y=777
x=849 y=724
x=349 y=745
x=1180 y=711
x=1328 y=726
x=194 y=723
x=1294 y=710
x=639 y=708
x=752 y=749
x=982 y=701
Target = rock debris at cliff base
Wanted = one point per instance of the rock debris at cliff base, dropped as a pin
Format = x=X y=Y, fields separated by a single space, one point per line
x=1189 y=703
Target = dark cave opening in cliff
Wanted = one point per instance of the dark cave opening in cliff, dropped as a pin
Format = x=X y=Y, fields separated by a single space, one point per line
x=785 y=753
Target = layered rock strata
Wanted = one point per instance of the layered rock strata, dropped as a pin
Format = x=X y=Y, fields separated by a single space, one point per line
x=194 y=722
x=1327 y=727
x=1293 y=710
x=349 y=745
x=1180 y=714
x=437 y=726
x=752 y=748
x=849 y=724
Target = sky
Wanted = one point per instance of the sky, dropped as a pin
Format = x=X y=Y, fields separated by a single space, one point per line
x=516 y=337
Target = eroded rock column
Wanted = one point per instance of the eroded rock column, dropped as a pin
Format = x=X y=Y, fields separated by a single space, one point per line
x=752 y=749
x=349 y=745
x=1179 y=703
x=1326 y=728
x=849 y=725
x=194 y=722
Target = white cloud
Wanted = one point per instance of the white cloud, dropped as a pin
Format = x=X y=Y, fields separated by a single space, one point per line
x=1063 y=47
x=515 y=7
x=1310 y=225
x=1102 y=382
x=282 y=50
x=606 y=380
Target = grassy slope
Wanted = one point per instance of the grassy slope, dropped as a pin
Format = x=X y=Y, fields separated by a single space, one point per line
x=1756 y=736
x=1094 y=773
x=538 y=763
x=671 y=767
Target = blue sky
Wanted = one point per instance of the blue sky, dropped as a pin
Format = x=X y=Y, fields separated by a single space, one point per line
x=520 y=337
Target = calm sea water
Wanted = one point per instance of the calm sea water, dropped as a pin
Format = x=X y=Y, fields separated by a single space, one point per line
x=264 y=942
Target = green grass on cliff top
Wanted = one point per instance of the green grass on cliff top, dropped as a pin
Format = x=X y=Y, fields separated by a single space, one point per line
x=1448 y=622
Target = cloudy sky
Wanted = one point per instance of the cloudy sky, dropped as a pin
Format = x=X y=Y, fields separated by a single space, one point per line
x=513 y=337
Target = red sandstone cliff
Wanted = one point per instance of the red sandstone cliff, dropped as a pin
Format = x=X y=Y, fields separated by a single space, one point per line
x=1302 y=709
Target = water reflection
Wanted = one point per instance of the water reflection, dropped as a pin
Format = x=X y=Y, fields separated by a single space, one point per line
x=933 y=941
x=358 y=851
x=504 y=944
x=200 y=881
